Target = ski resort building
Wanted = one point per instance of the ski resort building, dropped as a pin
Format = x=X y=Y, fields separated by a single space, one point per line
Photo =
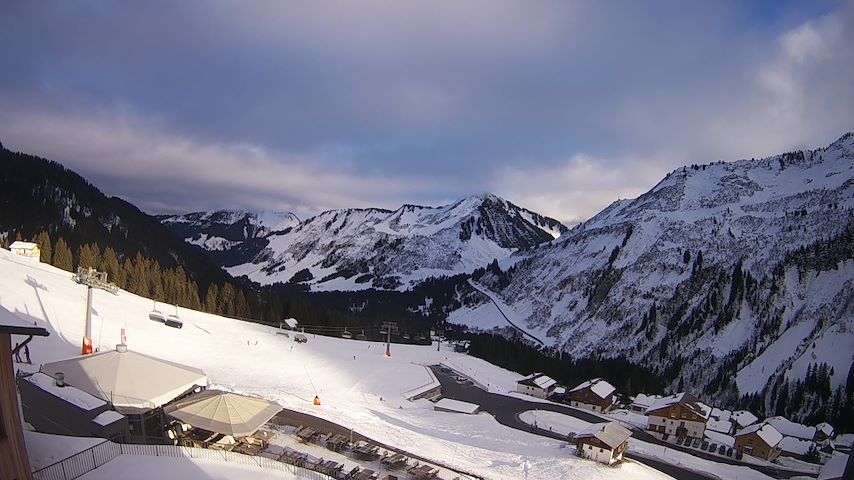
x=536 y=385
x=14 y=462
x=743 y=418
x=603 y=442
x=456 y=406
x=596 y=395
x=824 y=431
x=760 y=440
x=26 y=249
x=680 y=415
x=796 y=448
x=133 y=384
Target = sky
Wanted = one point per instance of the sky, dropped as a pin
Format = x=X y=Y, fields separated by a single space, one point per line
x=561 y=107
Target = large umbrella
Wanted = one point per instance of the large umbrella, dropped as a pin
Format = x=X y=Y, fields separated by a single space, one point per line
x=223 y=412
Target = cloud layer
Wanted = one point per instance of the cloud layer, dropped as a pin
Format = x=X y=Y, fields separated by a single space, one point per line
x=305 y=106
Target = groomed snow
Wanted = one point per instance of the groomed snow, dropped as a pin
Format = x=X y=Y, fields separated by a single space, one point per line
x=362 y=393
x=132 y=467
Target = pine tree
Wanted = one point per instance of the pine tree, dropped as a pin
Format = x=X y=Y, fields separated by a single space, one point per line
x=212 y=298
x=88 y=256
x=62 y=256
x=110 y=264
x=45 y=245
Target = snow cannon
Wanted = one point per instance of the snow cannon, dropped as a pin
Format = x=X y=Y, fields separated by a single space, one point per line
x=317 y=400
x=87 y=346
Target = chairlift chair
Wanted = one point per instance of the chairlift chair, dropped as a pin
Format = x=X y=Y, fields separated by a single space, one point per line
x=361 y=336
x=346 y=334
x=173 y=321
x=156 y=315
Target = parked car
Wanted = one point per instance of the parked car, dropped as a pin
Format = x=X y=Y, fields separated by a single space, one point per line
x=738 y=455
x=729 y=452
x=704 y=445
x=696 y=443
x=713 y=447
x=722 y=450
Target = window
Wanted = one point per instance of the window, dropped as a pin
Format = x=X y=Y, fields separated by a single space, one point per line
x=601 y=451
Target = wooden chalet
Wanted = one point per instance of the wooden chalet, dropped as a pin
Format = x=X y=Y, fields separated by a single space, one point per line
x=536 y=385
x=680 y=415
x=760 y=440
x=596 y=395
x=603 y=442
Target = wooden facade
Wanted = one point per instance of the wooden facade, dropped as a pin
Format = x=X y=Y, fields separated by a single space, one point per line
x=676 y=420
x=752 y=444
x=586 y=398
x=14 y=463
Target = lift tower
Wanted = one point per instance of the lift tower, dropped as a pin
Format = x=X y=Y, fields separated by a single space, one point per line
x=92 y=279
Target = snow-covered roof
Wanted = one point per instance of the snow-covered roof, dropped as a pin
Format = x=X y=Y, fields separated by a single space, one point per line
x=107 y=417
x=834 y=468
x=796 y=445
x=722 y=426
x=825 y=428
x=719 y=438
x=685 y=399
x=128 y=379
x=72 y=395
x=644 y=401
x=744 y=418
x=600 y=387
x=721 y=414
x=22 y=245
x=792 y=429
x=457 y=406
x=609 y=433
x=766 y=432
x=538 y=380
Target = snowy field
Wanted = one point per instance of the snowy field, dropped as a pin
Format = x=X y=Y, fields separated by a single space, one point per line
x=363 y=393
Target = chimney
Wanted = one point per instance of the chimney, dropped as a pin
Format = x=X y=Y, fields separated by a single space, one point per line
x=59 y=378
x=121 y=348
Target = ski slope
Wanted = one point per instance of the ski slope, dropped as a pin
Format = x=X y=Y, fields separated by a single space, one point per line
x=359 y=387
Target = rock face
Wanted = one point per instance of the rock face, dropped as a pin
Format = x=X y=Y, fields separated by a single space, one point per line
x=727 y=278
x=354 y=249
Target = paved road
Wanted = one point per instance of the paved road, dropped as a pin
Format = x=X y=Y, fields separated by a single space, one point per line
x=506 y=410
x=491 y=297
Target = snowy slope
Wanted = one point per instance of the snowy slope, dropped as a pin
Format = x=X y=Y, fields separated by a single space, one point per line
x=252 y=358
x=630 y=280
x=355 y=249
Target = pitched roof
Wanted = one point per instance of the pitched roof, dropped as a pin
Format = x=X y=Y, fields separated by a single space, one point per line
x=796 y=445
x=825 y=428
x=766 y=432
x=24 y=245
x=224 y=412
x=834 y=468
x=687 y=400
x=609 y=433
x=538 y=380
x=128 y=379
x=644 y=400
x=600 y=387
x=744 y=418
x=792 y=429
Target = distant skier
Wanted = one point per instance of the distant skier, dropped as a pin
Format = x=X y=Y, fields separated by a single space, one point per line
x=27 y=354
x=17 y=352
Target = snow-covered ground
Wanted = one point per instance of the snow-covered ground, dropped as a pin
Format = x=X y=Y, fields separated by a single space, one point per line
x=362 y=393
x=553 y=421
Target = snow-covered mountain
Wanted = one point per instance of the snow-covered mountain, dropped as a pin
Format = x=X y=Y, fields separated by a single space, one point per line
x=232 y=237
x=728 y=278
x=353 y=249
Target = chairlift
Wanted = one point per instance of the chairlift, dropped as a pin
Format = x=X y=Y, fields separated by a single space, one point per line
x=361 y=336
x=173 y=321
x=156 y=315
x=406 y=336
x=346 y=334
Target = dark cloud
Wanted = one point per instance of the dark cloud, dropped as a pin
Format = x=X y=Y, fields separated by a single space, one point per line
x=381 y=103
